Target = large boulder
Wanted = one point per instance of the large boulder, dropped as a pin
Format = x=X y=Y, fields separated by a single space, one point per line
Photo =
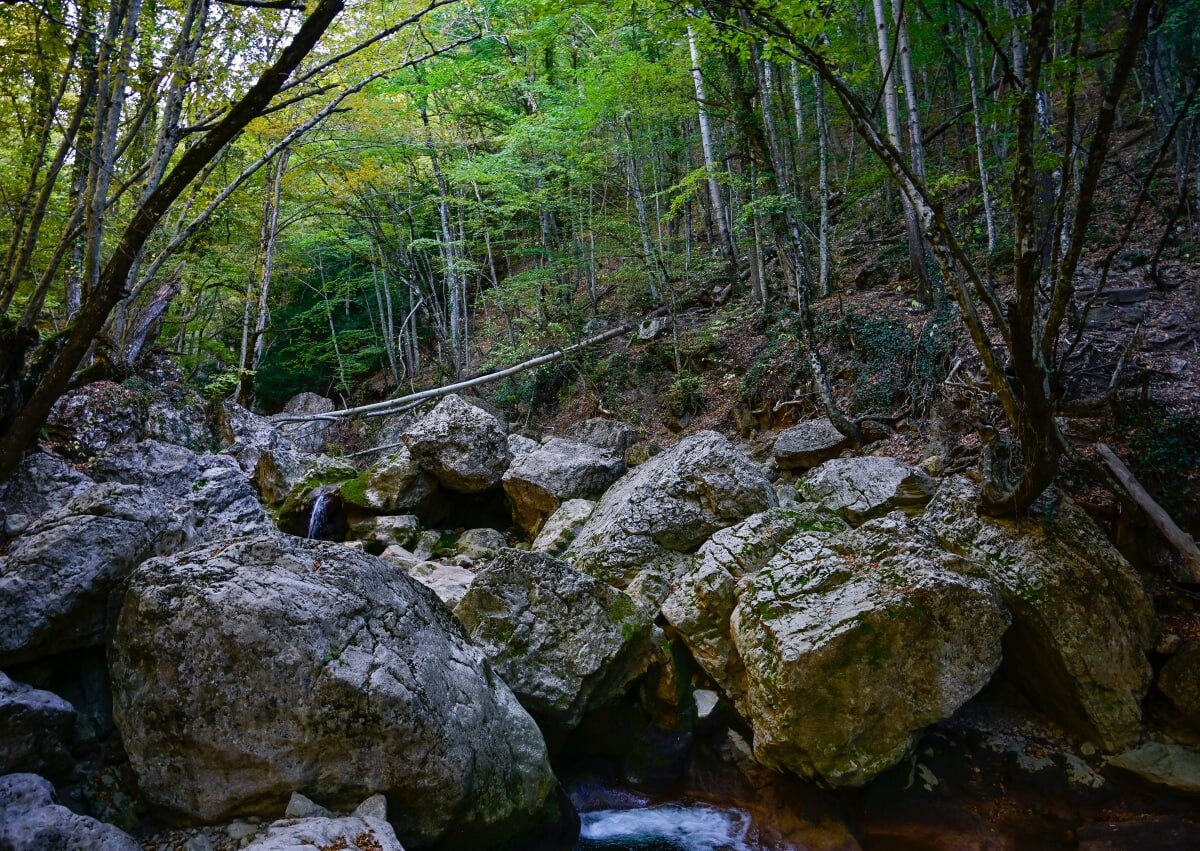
x=224 y=502
x=808 y=444
x=702 y=601
x=325 y=671
x=564 y=642
x=311 y=435
x=382 y=531
x=538 y=482
x=95 y=416
x=613 y=435
x=562 y=526
x=36 y=724
x=41 y=483
x=1179 y=680
x=852 y=644
x=395 y=484
x=866 y=486
x=670 y=504
x=57 y=577
x=171 y=469
x=464 y=447
x=1082 y=622
x=30 y=820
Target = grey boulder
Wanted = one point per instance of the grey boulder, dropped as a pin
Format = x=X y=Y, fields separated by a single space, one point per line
x=866 y=486
x=30 y=820
x=463 y=446
x=395 y=484
x=224 y=503
x=170 y=469
x=1082 y=621
x=312 y=435
x=36 y=725
x=808 y=444
x=55 y=585
x=669 y=505
x=562 y=526
x=362 y=832
x=853 y=643
x=41 y=483
x=326 y=671
x=564 y=642
x=538 y=482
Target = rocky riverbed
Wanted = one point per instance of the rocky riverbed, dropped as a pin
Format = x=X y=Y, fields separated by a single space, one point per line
x=503 y=641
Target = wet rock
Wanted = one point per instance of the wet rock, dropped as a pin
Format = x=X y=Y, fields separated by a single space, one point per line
x=808 y=444
x=561 y=527
x=563 y=641
x=1082 y=622
x=464 y=447
x=30 y=820
x=538 y=482
x=853 y=643
x=55 y=585
x=867 y=486
x=669 y=505
x=36 y=727
x=322 y=669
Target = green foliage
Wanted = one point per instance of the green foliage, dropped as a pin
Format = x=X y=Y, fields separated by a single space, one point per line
x=685 y=395
x=1165 y=451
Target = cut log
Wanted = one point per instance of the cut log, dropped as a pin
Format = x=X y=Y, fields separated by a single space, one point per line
x=1162 y=521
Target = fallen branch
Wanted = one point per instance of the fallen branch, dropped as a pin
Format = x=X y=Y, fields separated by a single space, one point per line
x=1178 y=538
x=391 y=405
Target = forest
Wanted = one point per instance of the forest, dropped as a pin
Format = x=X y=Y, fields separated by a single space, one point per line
x=959 y=235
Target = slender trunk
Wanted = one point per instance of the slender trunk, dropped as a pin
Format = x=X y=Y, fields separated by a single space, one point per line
x=824 y=279
x=649 y=255
x=976 y=113
x=725 y=239
x=449 y=254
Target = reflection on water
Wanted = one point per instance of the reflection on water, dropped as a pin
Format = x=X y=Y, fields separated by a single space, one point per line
x=668 y=827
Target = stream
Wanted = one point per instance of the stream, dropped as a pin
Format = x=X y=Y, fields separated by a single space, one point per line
x=667 y=827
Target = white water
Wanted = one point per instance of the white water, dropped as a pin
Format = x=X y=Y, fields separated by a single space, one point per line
x=669 y=827
x=320 y=512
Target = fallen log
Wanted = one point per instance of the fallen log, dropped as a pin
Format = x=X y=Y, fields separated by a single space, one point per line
x=1162 y=521
x=390 y=405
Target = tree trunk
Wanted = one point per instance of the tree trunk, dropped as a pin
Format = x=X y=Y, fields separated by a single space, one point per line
x=724 y=238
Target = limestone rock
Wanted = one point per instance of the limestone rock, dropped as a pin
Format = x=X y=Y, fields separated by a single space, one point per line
x=41 y=483
x=538 y=482
x=562 y=526
x=464 y=447
x=96 y=416
x=273 y=461
x=808 y=444
x=448 y=581
x=1179 y=680
x=324 y=670
x=1082 y=621
x=324 y=832
x=55 y=585
x=36 y=726
x=866 y=486
x=563 y=641
x=480 y=543
x=671 y=503
x=702 y=601
x=170 y=469
x=224 y=502
x=852 y=644
x=309 y=436
x=387 y=530
x=30 y=820
x=1165 y=765
x=395 y=484
x=519 y=444
x=613 y=435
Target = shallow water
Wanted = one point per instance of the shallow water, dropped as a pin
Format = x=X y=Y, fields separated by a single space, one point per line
x=667 y=827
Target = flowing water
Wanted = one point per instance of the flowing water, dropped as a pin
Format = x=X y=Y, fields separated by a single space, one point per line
x=667 y=827
x=319 y=519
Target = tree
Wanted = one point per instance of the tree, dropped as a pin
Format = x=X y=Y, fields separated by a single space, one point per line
x=1019 y=346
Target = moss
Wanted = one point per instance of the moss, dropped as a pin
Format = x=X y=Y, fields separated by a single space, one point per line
x=354 y=491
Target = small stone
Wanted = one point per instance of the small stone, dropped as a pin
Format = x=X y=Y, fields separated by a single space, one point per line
x=373 y=807
x=706 y=703
x=302 y=807
x=240 y=830
x=1168 y=644
x=1087 y=749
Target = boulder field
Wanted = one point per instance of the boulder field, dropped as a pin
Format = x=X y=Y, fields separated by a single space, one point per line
x=426 y=667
